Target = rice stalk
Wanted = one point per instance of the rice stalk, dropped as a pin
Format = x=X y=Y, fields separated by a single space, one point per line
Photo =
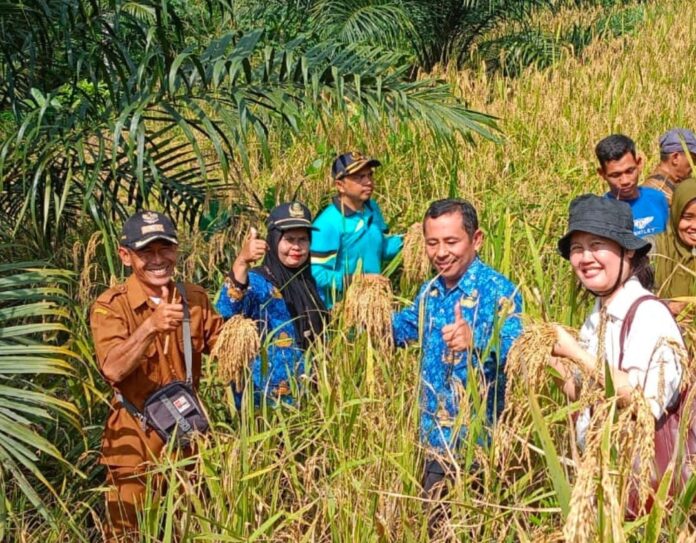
x=88 y=267
x=236 y=346
x=416 y=262
x=367 y=306
x=635 y=431
x=581 y=524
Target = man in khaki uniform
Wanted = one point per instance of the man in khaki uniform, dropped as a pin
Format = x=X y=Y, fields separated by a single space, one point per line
x=675 y=165
x=139 y=345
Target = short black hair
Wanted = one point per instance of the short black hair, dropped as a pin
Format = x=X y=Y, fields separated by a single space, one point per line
x=613 y=148
x=455 y=205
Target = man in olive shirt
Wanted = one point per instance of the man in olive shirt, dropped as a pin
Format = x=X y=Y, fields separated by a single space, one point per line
x=139 y=345
x=675 y=165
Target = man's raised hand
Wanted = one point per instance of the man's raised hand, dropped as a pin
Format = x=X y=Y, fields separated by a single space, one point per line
x=457 y=336
x=167 y=316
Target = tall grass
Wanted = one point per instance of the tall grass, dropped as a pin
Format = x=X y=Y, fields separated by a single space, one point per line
x=345 y=463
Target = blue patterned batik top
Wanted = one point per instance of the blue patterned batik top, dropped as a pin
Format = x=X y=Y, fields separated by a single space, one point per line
x=491 y=306
x=264 y=303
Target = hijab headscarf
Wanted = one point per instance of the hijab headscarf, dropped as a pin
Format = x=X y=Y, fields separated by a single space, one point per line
x=298 y=288
x=675 y=261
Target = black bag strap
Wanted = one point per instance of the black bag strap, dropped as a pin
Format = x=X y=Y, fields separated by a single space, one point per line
x=188 y=358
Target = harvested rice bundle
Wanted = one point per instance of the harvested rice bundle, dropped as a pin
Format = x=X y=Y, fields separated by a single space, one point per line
x=635 y=430
x=367 y=306
x=416 y=262
x=526 y=364
x=236 y=346
x=526 y=374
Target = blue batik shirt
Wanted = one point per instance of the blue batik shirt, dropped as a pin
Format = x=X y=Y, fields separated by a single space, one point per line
x=489 y=302
x=347 y=240
x=261 y=301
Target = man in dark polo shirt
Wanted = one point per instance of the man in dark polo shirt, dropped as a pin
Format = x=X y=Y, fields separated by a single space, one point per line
x=139 y=345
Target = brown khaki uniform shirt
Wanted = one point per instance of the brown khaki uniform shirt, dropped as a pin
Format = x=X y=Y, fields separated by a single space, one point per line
x=662 y=181
x=115 y=315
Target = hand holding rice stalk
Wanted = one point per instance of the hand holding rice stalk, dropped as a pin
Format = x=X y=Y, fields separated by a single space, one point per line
x=236 y=347
x=526 y=375
x=367 y=306
x=416 y=263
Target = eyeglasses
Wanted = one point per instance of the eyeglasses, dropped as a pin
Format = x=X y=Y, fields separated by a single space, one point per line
x=360 y=178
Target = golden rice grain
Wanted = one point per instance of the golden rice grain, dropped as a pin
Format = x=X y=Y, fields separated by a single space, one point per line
x=416 y=262
x=236 y=346
x=367 y=306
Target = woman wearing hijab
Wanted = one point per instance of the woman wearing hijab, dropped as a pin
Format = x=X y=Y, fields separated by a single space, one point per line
x=280 y=295
x=675 y=251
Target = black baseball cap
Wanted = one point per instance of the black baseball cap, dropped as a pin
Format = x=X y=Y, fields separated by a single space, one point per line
x=349 y=163
x=605 y=217
x=290 y=215
x=145 y=227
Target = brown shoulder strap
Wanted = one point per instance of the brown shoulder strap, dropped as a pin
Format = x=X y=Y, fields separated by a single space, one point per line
x=628 y=321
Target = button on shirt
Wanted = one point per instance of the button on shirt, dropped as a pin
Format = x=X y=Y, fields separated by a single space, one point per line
x=264 y=303
x=346 y=240
x=114 y=317
x=491 y=305
x=647 y=353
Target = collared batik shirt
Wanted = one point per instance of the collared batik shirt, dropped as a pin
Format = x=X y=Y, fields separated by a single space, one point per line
x=264 y=303
x=491 y=306
x=347 y=240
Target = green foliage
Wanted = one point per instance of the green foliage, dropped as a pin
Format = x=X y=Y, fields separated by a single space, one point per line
x=159 y=123
x=34 y=312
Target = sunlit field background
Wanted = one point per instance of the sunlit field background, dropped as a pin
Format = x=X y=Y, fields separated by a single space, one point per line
x=345 y=463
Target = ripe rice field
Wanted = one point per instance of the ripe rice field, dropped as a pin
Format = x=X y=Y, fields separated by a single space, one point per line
x=345 y=464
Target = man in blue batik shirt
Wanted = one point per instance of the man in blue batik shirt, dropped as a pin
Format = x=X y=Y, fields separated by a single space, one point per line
x=466 y=317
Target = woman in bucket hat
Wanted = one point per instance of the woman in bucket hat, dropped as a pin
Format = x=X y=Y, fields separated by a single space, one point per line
x=280 y=295
x=612 y=264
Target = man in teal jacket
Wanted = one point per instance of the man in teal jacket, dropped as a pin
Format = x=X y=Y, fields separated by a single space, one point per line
x=351 y=233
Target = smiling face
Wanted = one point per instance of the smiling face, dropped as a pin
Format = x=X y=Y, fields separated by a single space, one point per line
x=449 y=247
x=153 y=265
x=597 y=261
x=622 y=176
x=293 y=247
x=687 y=224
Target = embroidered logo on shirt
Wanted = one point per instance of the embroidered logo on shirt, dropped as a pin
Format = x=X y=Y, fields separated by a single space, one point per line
x=443 y=416
x=283 y=340
x=469 y=301
x=642 y=223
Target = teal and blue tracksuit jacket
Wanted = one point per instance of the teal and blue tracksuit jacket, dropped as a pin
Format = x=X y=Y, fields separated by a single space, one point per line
x=347 y=240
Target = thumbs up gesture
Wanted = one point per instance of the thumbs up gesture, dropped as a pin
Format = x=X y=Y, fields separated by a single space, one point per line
x=457 y=336
x=253 y=248
x=168 y=315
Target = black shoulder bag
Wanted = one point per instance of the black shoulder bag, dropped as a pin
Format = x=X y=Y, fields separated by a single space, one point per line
x=174 y=411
